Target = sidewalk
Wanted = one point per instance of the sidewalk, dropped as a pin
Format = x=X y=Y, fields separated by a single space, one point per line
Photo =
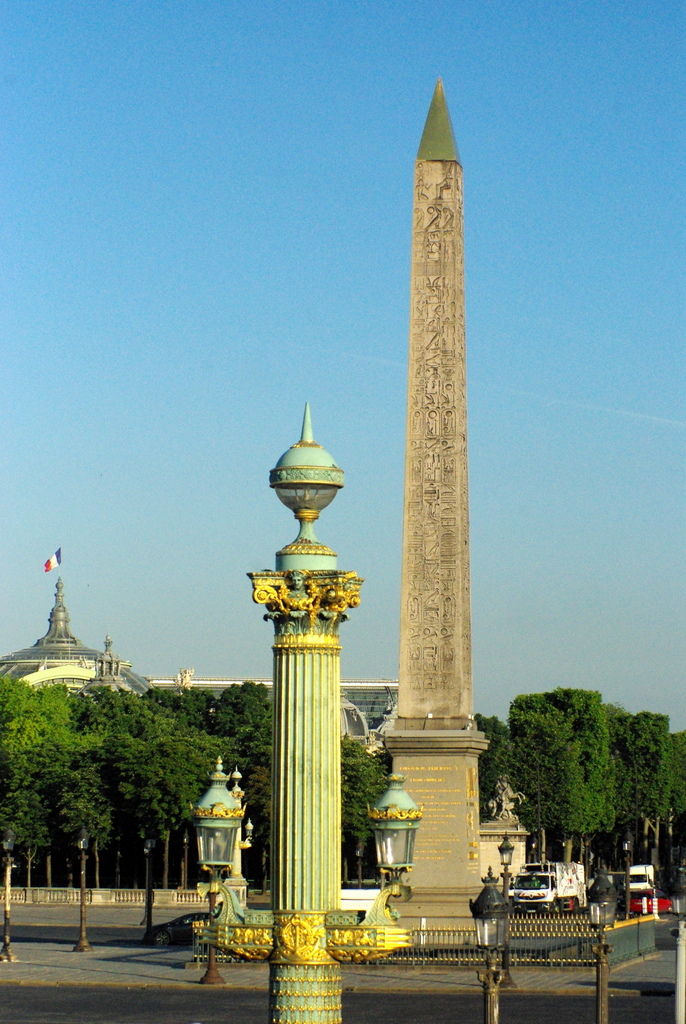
x=132 y=965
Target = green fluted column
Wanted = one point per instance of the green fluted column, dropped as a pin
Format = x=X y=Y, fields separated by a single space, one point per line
x=306 y=608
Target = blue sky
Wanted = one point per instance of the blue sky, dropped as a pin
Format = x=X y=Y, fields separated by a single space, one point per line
x=206 y=222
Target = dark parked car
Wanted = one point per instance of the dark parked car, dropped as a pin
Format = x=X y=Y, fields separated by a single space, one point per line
x=179 y=930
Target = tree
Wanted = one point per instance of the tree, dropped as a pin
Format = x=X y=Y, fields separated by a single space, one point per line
x=642 y=755
x=678 y=790
x=363 y=780
x=561 y=761
x=244 y=713
x=495 y=761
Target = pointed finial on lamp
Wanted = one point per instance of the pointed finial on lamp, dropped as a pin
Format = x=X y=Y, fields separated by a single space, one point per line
x=306 y=434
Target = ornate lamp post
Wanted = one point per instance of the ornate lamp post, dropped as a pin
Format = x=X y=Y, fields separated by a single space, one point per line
x=678 y=895
x=506 y=850
x=148 y=847
x=305 y=935
x=489 y=911
x=8 y=838
x=306 y=599
x=216 y=817
x=602 y=907
x=83 y=945
x=628 y=847
x=184 y=865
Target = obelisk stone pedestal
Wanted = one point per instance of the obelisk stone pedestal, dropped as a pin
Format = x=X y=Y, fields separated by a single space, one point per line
x=434 y=742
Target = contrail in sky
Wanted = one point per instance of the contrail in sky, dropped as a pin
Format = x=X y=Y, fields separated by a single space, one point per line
x=596 y=408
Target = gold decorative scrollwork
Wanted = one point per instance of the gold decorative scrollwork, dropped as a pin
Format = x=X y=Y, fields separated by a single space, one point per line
x=359 y=944
x=218 y=811
x=300 y=938
x=246 y=942
x=306 y=601
x=394 y=813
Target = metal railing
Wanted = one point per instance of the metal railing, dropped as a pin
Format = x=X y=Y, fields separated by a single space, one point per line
x=534 y=942
x=162 y=897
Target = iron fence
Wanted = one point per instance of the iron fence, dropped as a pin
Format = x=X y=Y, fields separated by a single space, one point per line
x=534 y=942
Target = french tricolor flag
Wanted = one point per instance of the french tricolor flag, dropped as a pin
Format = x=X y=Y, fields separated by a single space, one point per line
x=53 y=562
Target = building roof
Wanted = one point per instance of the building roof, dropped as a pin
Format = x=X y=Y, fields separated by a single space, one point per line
x=60 y=657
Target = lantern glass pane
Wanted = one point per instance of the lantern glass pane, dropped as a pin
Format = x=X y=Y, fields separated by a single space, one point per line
x=490 y=931
x=215 y=844
x=306 y=495
x=603 y=914
x=394 y=846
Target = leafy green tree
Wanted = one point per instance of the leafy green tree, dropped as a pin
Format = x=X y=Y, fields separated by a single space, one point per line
x=363 y=780
x=244 y=714
x=561 y=762
x=495 y=761
x=642 y=754
x=24 y=804
x=193 y=709
x=678 y=788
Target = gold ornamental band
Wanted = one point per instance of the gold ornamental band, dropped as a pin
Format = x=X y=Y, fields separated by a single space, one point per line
x=303 y=641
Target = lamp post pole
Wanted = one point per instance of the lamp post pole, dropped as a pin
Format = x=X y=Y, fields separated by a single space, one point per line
x=491 y=980
x=627 y=846
x=602 y=907
x=306 y=598
x=184 y=870
x=602 y=979
x=212 y=975
x=8 y=838
x=83 y=945
x=489 y=911
x=506 y=849
x=148 y=847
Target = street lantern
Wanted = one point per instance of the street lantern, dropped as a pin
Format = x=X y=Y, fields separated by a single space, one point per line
x=602 y=907
x=149 y=844
x=82 y=943
x=216 y=817
x=489 y=911
x=628 y=848
x=395 y=819
x=602 y=902
x=8 y=838
x=506 y=849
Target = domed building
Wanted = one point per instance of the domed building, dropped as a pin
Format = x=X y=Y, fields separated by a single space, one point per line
x=59 y=657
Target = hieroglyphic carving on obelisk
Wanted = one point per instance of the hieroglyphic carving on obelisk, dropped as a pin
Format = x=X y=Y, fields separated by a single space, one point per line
x=435 y=645
x=433 y=741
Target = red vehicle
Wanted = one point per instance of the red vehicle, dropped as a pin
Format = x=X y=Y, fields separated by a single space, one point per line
x=642 y=902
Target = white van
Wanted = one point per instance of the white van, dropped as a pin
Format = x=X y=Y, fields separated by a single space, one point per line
x=641 y=876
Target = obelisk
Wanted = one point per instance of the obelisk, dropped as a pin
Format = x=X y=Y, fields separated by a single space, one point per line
x=434 y=742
